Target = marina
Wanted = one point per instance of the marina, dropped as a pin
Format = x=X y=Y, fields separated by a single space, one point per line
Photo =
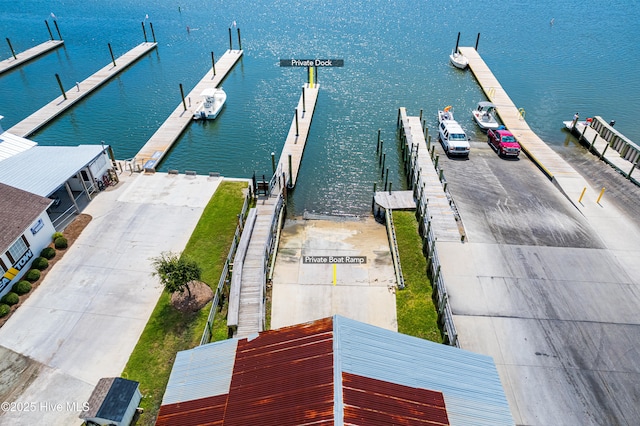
x=70 y=97
x=29 y=54
x=155 y=149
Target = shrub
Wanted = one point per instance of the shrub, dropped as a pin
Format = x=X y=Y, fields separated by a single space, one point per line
x=10 y=298
x=56 y=235
x=21 y=287
x=4 y=310
x=33 y=275
x=60 y=243
x=48 y=253
x=40 y=263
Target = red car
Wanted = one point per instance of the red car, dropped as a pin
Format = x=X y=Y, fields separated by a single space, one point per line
x=503 y=142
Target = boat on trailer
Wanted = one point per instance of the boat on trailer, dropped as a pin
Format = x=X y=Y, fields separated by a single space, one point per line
x=485 y=116
x=211 y=105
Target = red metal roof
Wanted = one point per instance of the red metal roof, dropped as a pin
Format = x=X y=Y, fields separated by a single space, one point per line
x=284 y=377
x=370 y=402
x=206 y=411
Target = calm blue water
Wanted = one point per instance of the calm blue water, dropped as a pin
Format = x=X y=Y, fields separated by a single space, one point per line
x=395 y=52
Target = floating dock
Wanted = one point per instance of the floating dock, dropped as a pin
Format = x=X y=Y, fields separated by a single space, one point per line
x=246 y=315
x=163 y=139
x=60 y=104
x=29 y=54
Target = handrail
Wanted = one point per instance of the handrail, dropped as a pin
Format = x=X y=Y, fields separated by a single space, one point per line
x=395 y=253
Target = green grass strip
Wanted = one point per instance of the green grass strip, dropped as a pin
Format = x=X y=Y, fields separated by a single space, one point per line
x=169 y=331
x=417 y=315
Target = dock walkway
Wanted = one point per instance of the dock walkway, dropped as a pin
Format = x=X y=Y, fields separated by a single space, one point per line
x=54 y=108
x=163 y=139
x=253 y=282
x=29 y=54
x=565 y=177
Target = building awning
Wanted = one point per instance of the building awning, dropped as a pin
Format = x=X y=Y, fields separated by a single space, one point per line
x=11 y=145
x=43 y=169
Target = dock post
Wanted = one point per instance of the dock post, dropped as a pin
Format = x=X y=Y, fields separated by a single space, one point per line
x=604 y=150
x=304 y=107
x=61 y=87
x=600 y=196
x=213 y=63
x=421 y=115
x=381 y=145
x=290 y=173
x=386 y=179
x=55 y=24
x=11 y=47
x=435 y=162
x=315 y=77
x=378 y=144
x=426 y=132
x=390 y=183
x=273 y=162
x=153 y=33
x=144 y=32
x=297 y=129
x=632 y=169
x=48 y=29
x=230 y=41
x=457 y=42
x=477 y=41
x=583 y=132
x=593 y=141
x=384 y=159
x=373 y=199
x=441 y=175
x=239 y=41
x=113 y=59
x=399 y=116
x=182 y=96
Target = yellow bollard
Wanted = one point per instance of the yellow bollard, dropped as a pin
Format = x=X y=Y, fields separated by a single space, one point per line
x=600 y=196
x=311 y=77
x=582 y=195
x=334 y=274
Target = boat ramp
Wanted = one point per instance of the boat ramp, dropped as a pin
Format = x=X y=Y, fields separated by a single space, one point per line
x=29 y=54
x=70 y=97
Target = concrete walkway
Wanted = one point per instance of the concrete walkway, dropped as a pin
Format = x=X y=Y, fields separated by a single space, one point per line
x=304 y=292
x=84 y=320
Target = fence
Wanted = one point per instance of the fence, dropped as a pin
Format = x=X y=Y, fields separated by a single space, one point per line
x=226 y=272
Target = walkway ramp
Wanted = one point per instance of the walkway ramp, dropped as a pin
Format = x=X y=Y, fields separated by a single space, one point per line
x=29 y=54
x=60 y=104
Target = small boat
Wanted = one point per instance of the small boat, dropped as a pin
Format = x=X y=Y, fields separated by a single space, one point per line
x=210 y=107
x=485 y=116
x=445 y=114
x=458 y=60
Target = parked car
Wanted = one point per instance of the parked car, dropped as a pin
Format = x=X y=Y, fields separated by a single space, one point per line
x=503 y=142
x=454 y=140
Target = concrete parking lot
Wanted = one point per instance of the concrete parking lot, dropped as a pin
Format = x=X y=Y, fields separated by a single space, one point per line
x=85 y=318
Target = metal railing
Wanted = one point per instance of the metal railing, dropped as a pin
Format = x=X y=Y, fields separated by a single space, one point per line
x=395 y=253
x=269 y=248
x=225 y=276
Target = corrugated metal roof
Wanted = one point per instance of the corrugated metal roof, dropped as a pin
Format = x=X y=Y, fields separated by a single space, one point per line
x=11 y=145
x=42 y=169
x=18 y=211
x=284 y=377
x=206 y=411
x=373 y=402
x=469 y=382
x=201 y=372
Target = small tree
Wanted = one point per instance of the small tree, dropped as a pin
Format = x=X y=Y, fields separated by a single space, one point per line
x=175 y=272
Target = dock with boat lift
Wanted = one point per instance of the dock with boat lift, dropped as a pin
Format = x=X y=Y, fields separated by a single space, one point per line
x=29 y=54
x=152 y=153
x=246 y=312
x=79 y=91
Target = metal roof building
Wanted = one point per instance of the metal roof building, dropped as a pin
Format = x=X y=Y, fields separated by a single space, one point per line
x=333 y=371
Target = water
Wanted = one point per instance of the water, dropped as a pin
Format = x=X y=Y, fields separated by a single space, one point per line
x=395 y=52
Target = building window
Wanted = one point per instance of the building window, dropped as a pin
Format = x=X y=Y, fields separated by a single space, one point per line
x=17 y=249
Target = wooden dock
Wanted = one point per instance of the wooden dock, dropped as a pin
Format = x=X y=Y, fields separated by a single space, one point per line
x=29 y=54
x=54 y=108
x=428 y=188
x=251 y=303
x=152 y=153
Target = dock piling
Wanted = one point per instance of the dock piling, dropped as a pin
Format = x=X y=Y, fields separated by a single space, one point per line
x=386 y=179
x=213 y=63
x=304 y=102
x=297 y=127
x=390 y=183
x=381 y=145
x=290 y=184
x=182 y=96
x=477 y=41
x=61 y=86
x=273 y=162
x=378 y=144
x=153 y=33
x=55 y=24
x=48 y=29
x=239 y=41
x=113 y=59
x=11 y=47
x=384 y=159
x=457 y=43
x=144 y=32
x=230 y=41
x=421 y=109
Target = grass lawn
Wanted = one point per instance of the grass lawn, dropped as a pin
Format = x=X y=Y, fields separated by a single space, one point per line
x=417 y=315
x=169 y=331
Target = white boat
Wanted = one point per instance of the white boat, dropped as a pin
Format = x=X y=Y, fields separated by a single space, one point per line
x=485 y=116
x=458 y=60
x=445 y=114
x=211 y=105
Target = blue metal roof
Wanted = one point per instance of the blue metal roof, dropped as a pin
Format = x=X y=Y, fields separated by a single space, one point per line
x=201 y=372
x=469 y=382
